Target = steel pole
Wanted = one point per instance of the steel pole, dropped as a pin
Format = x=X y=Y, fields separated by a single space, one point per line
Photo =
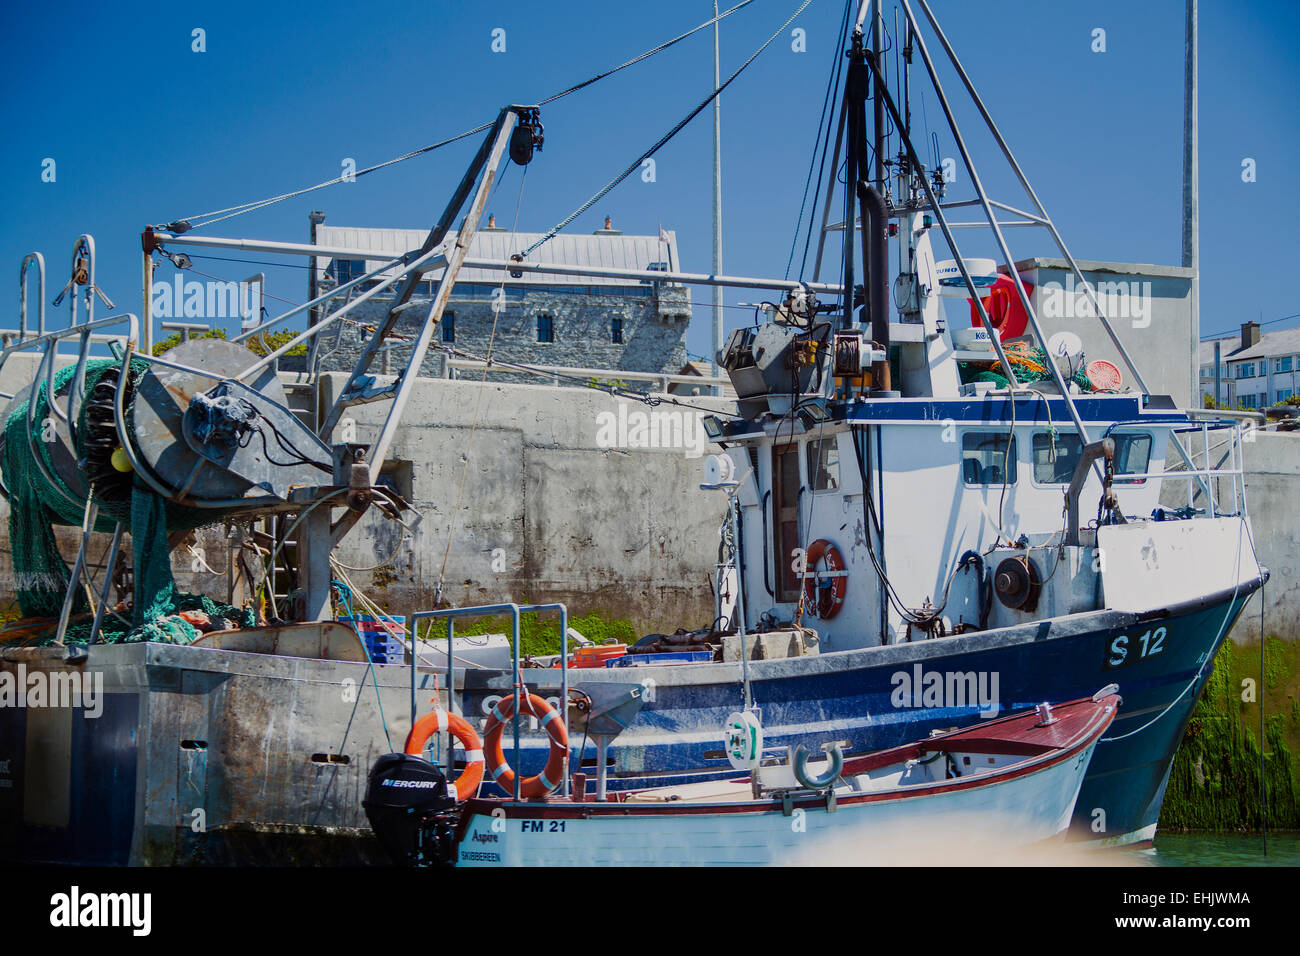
x=1191 y=190
x=717 y=206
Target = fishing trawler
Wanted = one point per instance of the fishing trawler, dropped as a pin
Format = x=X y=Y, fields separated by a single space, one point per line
x=927 y=527
x=905 y=497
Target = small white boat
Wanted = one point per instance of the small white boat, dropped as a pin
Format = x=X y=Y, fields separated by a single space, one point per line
x=1006 y=782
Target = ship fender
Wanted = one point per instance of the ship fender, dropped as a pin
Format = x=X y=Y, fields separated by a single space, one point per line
x=467 y=784
x=549 y=721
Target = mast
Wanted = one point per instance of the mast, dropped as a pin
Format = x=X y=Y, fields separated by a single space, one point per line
x=1191 y=198
x=717 y=204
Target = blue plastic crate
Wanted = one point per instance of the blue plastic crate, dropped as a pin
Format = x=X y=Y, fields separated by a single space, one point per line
x=385 y=650
x=672 y=657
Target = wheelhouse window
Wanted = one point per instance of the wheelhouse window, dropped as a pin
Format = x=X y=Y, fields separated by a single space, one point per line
x=545 y=328
x=1132 y=456
x=824 y=464
x=1055 y=457
x=987 y=460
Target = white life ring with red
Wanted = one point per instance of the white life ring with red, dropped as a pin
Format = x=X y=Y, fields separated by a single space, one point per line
x=825 y=602
x=549 y=719
x=467 y=784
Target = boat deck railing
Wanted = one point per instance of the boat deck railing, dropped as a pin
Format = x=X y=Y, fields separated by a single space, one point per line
x=451 y=615
x=1217 y=484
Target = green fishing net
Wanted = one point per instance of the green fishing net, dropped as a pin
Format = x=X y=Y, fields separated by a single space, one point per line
x=39 y=499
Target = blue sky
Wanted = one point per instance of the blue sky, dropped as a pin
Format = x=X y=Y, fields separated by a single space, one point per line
x=143 y=130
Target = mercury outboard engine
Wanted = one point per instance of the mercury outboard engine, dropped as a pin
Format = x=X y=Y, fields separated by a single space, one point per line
x=410 y=811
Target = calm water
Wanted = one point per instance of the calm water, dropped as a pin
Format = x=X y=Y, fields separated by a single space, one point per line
x=1201 y=849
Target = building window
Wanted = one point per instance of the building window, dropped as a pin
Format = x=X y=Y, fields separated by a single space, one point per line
x=984 y=456
x=1283 y=364
x=1283 y=394
x=449 y=327
x=1246 y=370
x=546 y=328
x=616 y=331
x=345 y=270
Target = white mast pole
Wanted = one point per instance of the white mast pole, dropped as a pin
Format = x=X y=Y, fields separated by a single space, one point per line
x=1191 y=190
x=717 y=206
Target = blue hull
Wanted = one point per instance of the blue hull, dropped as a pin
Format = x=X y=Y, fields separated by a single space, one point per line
x=858 y=697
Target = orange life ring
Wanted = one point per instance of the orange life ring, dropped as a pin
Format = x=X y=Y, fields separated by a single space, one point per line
x=467 y=784
x=551 y=777
x=1004 y=307
x=828 y=603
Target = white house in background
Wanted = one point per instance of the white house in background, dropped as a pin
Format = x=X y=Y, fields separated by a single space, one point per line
x=1256 y=370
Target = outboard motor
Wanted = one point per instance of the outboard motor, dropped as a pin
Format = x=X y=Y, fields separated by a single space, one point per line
x=410 y=811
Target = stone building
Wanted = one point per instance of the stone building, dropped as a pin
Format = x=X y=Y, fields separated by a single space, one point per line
x=587 y=322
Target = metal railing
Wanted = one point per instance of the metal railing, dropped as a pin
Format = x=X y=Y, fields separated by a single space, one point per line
x=450 y=615
x=1209 y=477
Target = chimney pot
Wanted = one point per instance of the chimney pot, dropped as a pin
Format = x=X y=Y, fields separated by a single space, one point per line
x=1249 y=334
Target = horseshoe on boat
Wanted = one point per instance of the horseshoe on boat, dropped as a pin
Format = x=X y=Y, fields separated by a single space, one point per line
x=826 y=779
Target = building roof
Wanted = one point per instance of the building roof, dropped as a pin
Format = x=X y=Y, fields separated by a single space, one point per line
x=1281 y=342
x=704 y=370
x=605 y=250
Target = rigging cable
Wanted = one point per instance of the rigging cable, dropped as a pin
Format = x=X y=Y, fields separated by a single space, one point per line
x=232 y=211
x=832 y=84
x=605 y=190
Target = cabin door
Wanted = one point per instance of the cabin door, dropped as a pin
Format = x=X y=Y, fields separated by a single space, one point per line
x=785 y=521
